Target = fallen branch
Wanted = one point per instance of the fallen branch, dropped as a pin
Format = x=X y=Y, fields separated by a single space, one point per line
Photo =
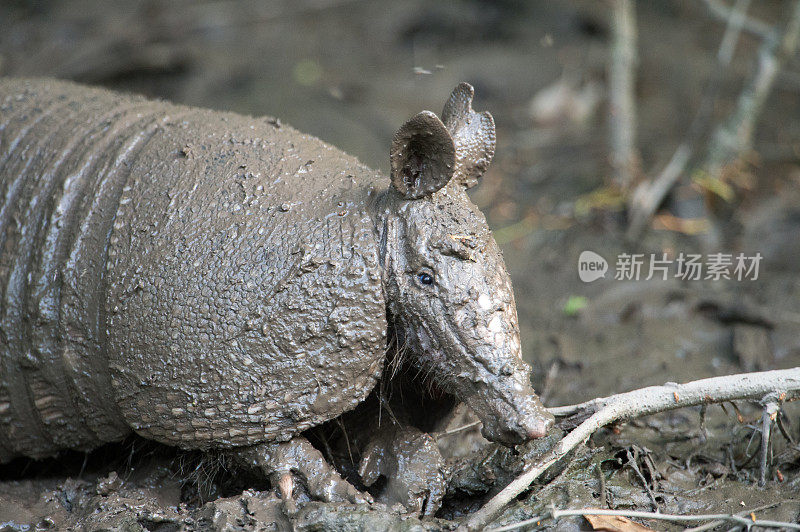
x=766 y=386
x=745 y=520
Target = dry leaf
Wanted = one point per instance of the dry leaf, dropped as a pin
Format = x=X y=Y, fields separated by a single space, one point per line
x=614 y=523
x=687 y=226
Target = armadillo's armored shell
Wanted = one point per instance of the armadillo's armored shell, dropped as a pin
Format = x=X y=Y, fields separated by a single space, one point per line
x=235 y=260
x=63 y=165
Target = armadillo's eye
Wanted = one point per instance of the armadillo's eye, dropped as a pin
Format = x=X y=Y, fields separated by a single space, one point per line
x=425 y=278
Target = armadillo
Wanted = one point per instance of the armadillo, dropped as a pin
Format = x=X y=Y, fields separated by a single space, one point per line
x=215 y=281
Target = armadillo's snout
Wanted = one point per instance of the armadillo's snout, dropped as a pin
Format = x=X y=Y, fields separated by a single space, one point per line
x=529 y=421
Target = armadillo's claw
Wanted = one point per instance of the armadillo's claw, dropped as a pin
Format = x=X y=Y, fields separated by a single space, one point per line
x=296 y=466
x=330 y=487
x=286 y=488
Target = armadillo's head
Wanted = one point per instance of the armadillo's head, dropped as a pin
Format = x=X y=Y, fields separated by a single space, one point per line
x=449 y=294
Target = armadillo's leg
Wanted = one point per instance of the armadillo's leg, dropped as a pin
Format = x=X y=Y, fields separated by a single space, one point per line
x=286 y=463
x=411 y=462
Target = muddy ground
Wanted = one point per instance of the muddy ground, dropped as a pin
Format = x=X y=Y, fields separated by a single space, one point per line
x=351 y=72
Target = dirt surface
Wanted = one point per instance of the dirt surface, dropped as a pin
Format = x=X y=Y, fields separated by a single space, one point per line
x=350 y=72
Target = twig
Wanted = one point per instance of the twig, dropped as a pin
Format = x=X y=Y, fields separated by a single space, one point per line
x=732 y=461
x=703 y=428
x=783 y=429
x=749 y=457
x=767 y=415
x=655 y=472
x=746 y=521
x=714 y=524
x=602 y=478
x=727 y=47
x=346 y=439
x=734 y=137
x=621 y=84
x=643 y=402
x=456 y=430
x=552 y=373
x=633 y=465
x=739 y=416
x=648 y=195
x=749 y=24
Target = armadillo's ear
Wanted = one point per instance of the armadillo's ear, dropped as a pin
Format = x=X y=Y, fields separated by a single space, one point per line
x=422 y=157
x=472 y=132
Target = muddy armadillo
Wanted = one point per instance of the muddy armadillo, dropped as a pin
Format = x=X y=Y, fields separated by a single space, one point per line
x=215 y=281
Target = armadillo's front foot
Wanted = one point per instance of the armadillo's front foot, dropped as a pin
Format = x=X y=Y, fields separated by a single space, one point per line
x=296 y=464
x=413 y=466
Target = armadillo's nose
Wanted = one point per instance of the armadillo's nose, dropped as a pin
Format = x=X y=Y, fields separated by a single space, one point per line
x=532 y=421
x=538 y=427
x=519 y=430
